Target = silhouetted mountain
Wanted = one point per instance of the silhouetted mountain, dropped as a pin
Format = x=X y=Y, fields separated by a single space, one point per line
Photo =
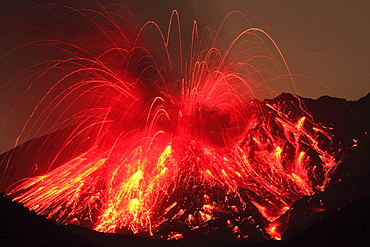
x=339 y=216
x=42 y=154
x=349 y=226
x=21 y=227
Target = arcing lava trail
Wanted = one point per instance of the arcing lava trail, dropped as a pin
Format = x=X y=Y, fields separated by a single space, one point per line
x=179 y=143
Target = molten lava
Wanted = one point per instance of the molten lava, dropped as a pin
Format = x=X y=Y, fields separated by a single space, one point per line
x=180 y=143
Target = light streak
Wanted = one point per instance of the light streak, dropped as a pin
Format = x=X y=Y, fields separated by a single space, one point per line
x=176 y=137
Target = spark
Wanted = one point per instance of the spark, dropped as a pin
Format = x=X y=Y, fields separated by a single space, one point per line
x=177 y=138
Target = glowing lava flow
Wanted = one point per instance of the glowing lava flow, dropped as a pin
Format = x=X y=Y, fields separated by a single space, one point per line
x=176 y=154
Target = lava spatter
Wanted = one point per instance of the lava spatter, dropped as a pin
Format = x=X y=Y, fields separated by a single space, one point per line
x=180 y=142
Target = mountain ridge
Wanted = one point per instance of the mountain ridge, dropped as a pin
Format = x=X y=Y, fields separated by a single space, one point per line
x=350 y=123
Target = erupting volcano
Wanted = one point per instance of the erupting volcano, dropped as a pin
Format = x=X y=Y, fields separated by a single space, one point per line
x=174 y=139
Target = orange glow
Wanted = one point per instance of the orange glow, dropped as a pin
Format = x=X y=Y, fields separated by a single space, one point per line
x=272 y=230
x=179 y=140
x=205 y=217
x=175 y=236
x=133 y=206
x=300 y=123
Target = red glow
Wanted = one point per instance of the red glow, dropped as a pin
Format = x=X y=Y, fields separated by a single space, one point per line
x=180 y=141
x=272 y=230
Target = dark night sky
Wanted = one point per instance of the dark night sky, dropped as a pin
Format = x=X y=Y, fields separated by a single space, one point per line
x=327 y=41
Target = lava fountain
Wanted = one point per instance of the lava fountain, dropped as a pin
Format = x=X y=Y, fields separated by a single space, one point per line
x=180 y=144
